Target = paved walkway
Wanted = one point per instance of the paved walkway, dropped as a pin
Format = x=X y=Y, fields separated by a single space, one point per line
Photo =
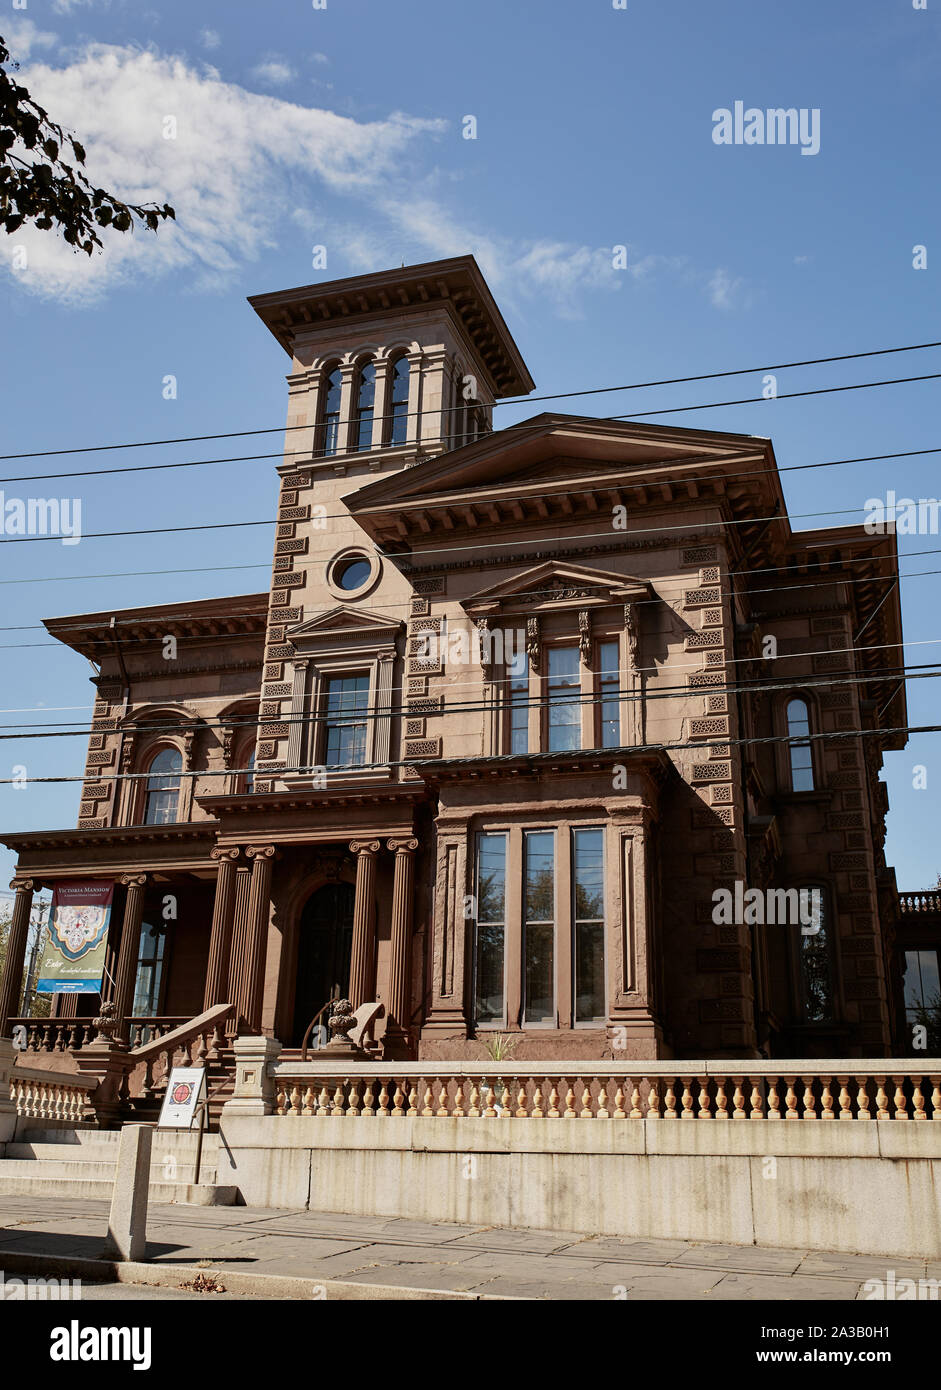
x=354 y=1254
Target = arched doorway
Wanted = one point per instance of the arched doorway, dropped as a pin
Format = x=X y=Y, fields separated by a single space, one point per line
x=324 y=949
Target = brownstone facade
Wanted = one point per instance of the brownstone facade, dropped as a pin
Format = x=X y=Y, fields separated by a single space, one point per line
x=518 y=705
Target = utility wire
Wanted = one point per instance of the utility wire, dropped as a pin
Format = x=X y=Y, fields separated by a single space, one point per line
x=516 y=400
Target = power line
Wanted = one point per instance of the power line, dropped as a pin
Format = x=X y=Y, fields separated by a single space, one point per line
x=517 y=400
x=406 y=710
x=277 y=773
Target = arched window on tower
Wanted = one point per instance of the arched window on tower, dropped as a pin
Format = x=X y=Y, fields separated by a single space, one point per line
x=799 y=749
x=163 y=788
x=398 y=406
x=365 y=402
x=330 y=411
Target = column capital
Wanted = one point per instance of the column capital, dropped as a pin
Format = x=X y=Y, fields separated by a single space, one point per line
x=133 y=880
x=364 y=847
x=406 y=845
x=221 y=853
x=260 y=852
x=22 y=885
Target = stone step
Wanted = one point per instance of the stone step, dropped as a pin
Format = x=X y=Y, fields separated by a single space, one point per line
x=13 y=1165
x=33 y=1184
x=100 y=1149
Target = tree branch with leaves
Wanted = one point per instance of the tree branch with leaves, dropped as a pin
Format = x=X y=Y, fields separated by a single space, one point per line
x=39 y=185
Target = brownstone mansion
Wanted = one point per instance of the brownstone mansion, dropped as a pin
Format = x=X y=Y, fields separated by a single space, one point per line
x=518 y=705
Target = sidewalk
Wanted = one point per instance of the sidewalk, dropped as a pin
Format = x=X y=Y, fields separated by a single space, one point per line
x=287 y=1254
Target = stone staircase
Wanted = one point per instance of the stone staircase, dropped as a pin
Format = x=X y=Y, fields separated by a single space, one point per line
x=80 y=1162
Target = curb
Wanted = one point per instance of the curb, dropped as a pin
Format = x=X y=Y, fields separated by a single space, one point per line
x=275 y=1286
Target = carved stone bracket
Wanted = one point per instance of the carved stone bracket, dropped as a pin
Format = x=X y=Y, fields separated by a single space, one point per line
x=584 y=635
x=632 y=628
x=533 y=643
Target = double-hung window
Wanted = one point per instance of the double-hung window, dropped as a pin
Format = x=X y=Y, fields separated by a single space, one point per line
x=564 y=703
x=491 y=928
x=609 y=690
x=346 y=721
x=539 y=926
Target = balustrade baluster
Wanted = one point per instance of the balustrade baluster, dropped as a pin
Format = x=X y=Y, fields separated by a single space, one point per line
x=826 y=1100
x=704 y=1102
x=686 y=1099
x=384 y=1100
x=537 y=1110
x=757 y=1101
x=323 y=1102
x=862 y=1098
x=669 y=1101
x=810 y=1104
x=936 y=1098
x=918 y=1100
x=882 y=1100
x=569 y=1101
x=845 y=1099
x=443 y=1099
x=553 y=1100
x=490 y=1111
x=473 y=1110
x=901 y=1113
x=368 y=1099
x=458 y=1108
x=506 y=1103
x=586 y=1110
x=738 y=1099
x=521 y=1111
x=310 y=1101
x=413 y=1099
x=602 y=1111
x=653 y=1100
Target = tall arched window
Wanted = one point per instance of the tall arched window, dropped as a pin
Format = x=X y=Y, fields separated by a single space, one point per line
x=365 y=401
x=799 y=752
x=163 y=788
x=330 y=411
x=398 y=406
x=816 y=956
x=248 y=777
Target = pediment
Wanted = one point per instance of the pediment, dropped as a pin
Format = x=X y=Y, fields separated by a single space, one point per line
x=345 y=622
x=556 y=582
x=559 y=450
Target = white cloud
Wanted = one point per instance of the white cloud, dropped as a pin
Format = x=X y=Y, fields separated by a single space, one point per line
x=231 y=173
x=22 y=36
x=274 y=71
x=724 y=289
x=67 y=6
x=209 y=38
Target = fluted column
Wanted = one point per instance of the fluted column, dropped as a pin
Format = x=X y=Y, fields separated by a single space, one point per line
x=402 y=892
x=363 y=963
x=12 y=981
x=128 y=952
x=252 y=981
x=220 y=940
x=243 y=879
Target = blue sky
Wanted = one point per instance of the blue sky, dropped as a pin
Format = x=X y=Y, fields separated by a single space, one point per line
x=343 y=128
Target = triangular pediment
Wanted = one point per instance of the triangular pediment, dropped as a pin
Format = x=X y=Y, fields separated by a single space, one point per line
x=344 y=620
x=554 y=582
x=558 y=450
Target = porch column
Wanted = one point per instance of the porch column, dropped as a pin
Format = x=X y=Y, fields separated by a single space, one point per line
x=243 y=878
x=363 y=962
x=217 y=971
x=252 y=978
x=128 y=953
x=11 y=983
x=402 y=890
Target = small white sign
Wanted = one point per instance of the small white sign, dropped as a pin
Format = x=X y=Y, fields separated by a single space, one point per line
x=185 y=1089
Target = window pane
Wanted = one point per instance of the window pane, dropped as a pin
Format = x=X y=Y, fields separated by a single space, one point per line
x=588 y=870
x=365 y=400
x=610 y=685
x=399 y=423
x=519 y=705
x=564 y=709
x=347 y=703
x=539 y=927
x=149 y=971
x=816 y=971
x=802 y=768
x=331 y=414
x=491 y=897
x=798 y=719
x=163 y=788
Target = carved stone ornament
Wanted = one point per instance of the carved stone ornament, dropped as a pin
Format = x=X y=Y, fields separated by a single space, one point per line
x=632 y=629
x=584 y=635
x=106 y=1023
x=533 y=643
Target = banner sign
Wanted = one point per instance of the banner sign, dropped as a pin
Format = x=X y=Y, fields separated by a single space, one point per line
x=74 y=959
x=185 y=1089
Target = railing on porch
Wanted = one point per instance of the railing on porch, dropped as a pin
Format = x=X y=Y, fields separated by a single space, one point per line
x=71 y=1034
x=857 y=1089
x=924 y=902
x=51 y=1096
x=193 y=1042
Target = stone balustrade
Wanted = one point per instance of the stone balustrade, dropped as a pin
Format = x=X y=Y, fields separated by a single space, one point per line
x=856 y=1089
x=51 y=1096
x=71 y=1034
x=928 y=900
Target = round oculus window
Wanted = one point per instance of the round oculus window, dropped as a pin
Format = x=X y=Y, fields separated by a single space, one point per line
x=351 y=574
